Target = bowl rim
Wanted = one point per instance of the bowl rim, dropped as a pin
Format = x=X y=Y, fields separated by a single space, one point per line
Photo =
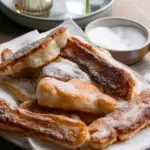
x=120 y=18
x=111 y=2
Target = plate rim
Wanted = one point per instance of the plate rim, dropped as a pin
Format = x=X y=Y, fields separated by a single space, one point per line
x=58 y=20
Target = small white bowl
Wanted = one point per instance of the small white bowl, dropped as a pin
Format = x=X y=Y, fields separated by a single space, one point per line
x=125 y=56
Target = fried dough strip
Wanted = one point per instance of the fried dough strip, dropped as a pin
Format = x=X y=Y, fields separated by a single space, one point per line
x=73 y=95
x=37 y=54
x=116 y=80
x=58 y=129
x=87 y=118
x=121 y=124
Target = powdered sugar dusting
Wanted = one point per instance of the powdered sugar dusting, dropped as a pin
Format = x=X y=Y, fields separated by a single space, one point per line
x=64 y=70
x=63 y=85
x=26 y=50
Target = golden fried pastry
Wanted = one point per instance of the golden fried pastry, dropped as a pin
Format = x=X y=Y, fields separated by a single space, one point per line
x=33 y=106
x=36 y=54
x=55 y=128
x=64 y=70
x=24 y=89
x=73 y=95
x=5 y=54
x=115 y=78
x=122 y=123
x=27 y=73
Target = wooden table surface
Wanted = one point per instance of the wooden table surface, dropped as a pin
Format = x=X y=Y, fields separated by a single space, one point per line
x=138 y=10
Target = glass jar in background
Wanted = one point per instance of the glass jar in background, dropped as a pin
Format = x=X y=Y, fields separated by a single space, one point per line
x=39 y=8
x=82 y=7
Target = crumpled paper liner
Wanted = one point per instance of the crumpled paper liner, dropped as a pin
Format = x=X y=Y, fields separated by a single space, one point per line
x=139 y=142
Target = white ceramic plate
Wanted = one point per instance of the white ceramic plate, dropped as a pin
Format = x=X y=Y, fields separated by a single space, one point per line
x=62 y=9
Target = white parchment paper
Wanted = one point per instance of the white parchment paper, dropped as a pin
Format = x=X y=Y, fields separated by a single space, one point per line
x=139 y=142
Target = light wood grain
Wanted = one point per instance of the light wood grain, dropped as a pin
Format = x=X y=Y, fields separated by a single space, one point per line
x=138 y=10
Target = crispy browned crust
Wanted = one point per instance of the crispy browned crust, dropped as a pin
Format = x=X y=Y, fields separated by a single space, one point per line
x=115 y=80
x=121 y=124
x=54 y=34
x=87 y=118
x=55 y=128
x=28 y=73
x=6 y=53
x=30 y=49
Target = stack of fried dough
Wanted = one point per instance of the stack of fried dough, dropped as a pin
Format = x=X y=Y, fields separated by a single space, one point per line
x=69 y=93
